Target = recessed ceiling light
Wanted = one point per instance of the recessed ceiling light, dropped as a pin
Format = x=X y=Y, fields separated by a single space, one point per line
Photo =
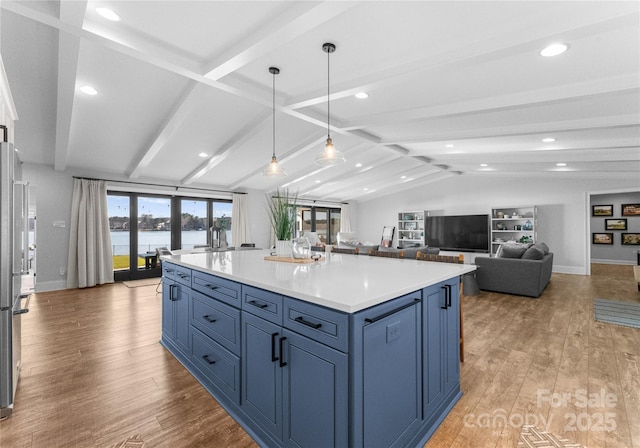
x=203 y=155
x=362 y=95
x=554 y=50
x=548 y=140
x=403 y=177
x=318 y=181
x=365 y=189
x=561 y=164
x=108 y=14
x=88 y=90
x=358 y=165
x=483 y=164
x=449 y=145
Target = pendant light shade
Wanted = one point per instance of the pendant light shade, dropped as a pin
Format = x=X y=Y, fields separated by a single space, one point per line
x=274 y=169
x=330 y=155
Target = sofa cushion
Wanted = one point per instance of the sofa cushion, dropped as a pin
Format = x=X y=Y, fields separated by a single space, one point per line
x=412 y=252
x=387 y=249
x=533 y=253
x=513 y=250
x=543 y=247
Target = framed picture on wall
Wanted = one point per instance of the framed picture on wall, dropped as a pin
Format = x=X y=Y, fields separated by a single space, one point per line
x=631 y=239
x=602 y=210
x=615 y=224
x=630 y=209
x=603 y=238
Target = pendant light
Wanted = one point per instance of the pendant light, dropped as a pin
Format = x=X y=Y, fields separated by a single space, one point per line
x=330 y=155
x=273 y=169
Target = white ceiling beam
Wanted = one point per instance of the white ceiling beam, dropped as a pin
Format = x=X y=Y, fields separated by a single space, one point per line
x=71 y=13
x=187 y=102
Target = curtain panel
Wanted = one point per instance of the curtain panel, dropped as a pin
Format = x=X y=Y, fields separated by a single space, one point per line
x=240 y=220
x=90 y=254
x=345 y=218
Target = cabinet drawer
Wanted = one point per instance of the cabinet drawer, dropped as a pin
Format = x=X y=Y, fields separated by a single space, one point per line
x=322 y=324
x=169 y=270
x=218 y=321
x=217 y=364
x=222 y=289
x=183 y=275
x=265 y=304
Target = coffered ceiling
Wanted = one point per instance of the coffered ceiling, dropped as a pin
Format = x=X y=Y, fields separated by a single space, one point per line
x=455 y=89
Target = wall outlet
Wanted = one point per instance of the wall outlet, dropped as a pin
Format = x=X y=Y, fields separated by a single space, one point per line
x=63 y=271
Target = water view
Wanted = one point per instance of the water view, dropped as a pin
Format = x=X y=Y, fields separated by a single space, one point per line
x=149 y=241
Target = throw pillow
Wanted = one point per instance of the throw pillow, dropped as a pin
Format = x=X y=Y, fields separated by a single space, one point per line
x=387 y=249
x=412 y=252
x=512 y=251
x=533 y=253
x=543 y=247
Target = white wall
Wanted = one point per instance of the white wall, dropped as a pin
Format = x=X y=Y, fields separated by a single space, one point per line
x=562 y=208
x=53 y=204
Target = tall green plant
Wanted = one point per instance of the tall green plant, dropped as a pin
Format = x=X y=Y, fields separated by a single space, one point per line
x=282 y=213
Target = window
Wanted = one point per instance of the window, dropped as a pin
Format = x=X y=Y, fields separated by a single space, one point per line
x=142 y=223
x=325 y=221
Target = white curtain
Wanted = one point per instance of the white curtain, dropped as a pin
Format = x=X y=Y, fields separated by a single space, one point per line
x=90 y=256
x=240 y=220
x=345 y=218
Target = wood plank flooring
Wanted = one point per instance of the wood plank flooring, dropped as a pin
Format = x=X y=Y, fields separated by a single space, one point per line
x=95 y=374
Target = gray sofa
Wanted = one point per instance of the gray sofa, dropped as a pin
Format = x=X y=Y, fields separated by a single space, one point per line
x=524 y=277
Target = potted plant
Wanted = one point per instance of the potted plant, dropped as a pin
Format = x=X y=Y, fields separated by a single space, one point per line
x=282 y=215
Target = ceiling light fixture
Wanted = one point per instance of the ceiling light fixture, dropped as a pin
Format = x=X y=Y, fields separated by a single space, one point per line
x=483 y=165
x=203 y=155
x=362 y=95
x=273 y=169
x=449 y=145
x=554 y=50
x=548 y=140
x=561 y=164
x=330 y=155
x=358 y=165
x=88 y=90
x=108 y=14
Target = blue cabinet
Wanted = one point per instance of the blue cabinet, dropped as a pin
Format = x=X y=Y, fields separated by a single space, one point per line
x=441 y=363
x=176 y=303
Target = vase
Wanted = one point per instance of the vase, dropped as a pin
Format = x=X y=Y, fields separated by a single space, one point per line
x=283 y=248
x=527 y=225
x=301 y=248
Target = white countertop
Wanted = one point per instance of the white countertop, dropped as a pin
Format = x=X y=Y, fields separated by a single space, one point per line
x=343 y=282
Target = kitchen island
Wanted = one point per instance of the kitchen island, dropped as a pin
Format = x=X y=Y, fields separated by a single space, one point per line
x=348 y=351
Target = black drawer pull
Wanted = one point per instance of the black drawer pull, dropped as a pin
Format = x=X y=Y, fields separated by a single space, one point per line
x=282 y=363
x=258 y=305
x=274 y=358
x=209 y=361
x=307 y=323
x=446 y=298
x=210 y=286
x=172 y=296
x=208 y=318
x=449 y=304
x=389 y=313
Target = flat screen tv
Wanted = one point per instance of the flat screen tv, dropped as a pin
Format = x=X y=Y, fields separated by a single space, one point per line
x=463 y=233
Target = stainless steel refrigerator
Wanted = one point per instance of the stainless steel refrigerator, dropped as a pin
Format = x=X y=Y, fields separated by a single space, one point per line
x=14 y=253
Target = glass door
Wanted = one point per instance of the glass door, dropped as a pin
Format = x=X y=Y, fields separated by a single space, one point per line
x=153 y=231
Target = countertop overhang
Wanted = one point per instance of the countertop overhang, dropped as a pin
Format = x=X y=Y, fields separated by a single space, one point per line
x=348 y=283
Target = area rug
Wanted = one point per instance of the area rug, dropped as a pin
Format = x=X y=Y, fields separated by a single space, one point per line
x=532 y=437
x=143 y=282
x=616 y=312
x=132 y=442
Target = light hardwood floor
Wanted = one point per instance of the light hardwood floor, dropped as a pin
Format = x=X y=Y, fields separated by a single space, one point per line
x=95 y=374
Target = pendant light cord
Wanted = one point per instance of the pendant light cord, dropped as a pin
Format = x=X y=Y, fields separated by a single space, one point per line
x=328 y=95
x=274 y=114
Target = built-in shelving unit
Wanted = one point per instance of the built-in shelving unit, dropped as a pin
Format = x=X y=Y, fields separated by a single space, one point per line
x=517 y=224
x=410 y=229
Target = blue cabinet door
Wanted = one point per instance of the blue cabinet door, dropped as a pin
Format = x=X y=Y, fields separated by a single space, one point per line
x=392 y=378
x=441 y=332
x=315 y=396
x=262 y=373
x=176 y=300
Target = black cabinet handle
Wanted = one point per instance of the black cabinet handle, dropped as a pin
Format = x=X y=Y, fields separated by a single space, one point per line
x=307 y=323
x=274 y=358
x=446 y=298
x=258 y=305
x=282 y=363
x=209 y=361
x=209 y=319
x=371 y=320
x=183 y=275
x=172 y=288
x=212 y=287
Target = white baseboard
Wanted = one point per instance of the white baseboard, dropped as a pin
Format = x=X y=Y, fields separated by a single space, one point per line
x=577 y=270
x=621 y=262
x=51 y=286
